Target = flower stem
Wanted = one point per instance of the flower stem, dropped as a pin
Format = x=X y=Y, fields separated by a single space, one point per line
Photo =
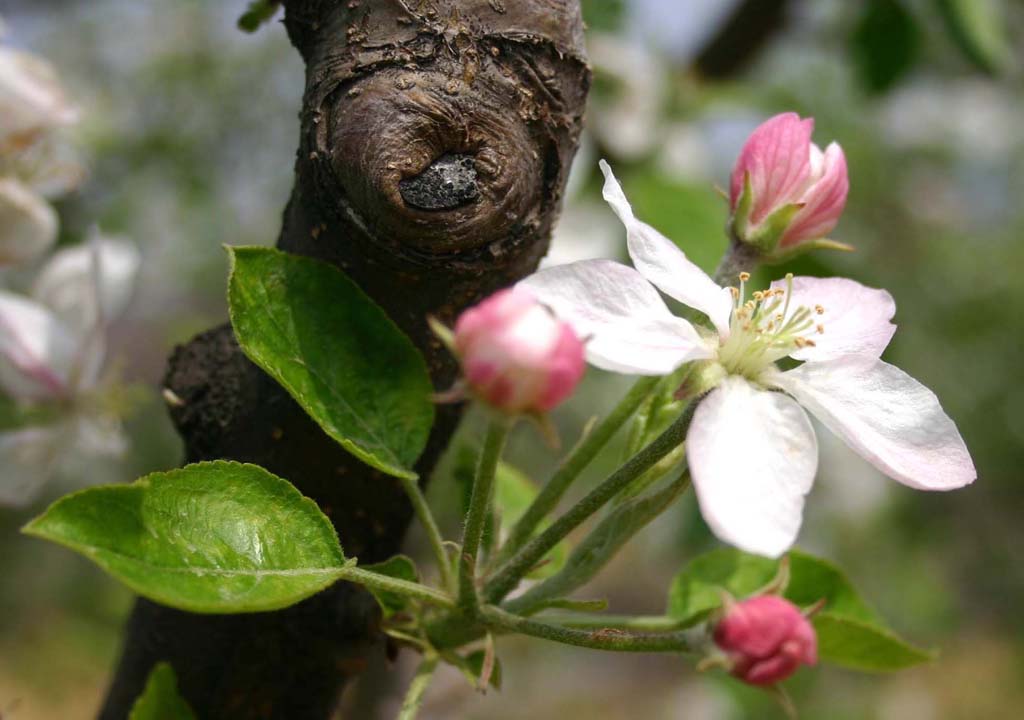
x=414 y=590
x=738 y=258
x=509 y=574
x=573 y=465
x=426 y=518
x=604 y=638
x=417 y=688
x=597 y=621
x=479 y=508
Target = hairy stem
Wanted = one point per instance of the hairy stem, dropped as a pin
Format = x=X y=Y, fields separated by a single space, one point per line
x=506 y=578
x=377 y=581
x=417 y=688
x=573 y=464
x=479 y=508
x=606 y=638
x=426 y=518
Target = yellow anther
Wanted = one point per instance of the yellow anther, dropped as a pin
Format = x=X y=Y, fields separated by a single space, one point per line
x=735 y=292
x=778 y=317
x=746 y=327
x=809 y=343
x=800 y=342
x=750 y=304
x=819 y=309
x=744 y=276
x=821 y=329
x=758 y=296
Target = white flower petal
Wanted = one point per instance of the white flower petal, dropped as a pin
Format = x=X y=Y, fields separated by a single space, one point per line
x=753 y=456
x=28 y=224
x=856 y=318
x=89 y=283
x=31 y=98
x=28 y=457
x=625 y=323
x=662 y=262
x=37 y=352
x=887 y=417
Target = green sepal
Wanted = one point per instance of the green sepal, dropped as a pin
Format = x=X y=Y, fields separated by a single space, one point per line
x=768 y=234
x=472 y=665
x=741 y=215
x=791 y=253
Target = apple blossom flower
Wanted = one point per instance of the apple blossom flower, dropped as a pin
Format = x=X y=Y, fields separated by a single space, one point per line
x=765 y=639
x=751 y=449
x=784 y=190
x=52 y=349
x=516 y=355
x=28 y=224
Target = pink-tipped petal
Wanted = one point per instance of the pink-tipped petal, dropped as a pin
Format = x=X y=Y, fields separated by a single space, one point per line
x=516 y=355
x=753 y=456
x=776 y=157
x=887 y=417
x=824 y=201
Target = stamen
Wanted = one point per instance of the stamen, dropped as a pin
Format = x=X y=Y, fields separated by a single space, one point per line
x=735 y=292
x=744 y=276
x=819 y=309
x=821 y=329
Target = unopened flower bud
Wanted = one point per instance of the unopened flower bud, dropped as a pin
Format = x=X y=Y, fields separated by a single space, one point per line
x=784 y=190
x=765 y=639
x=516 y=355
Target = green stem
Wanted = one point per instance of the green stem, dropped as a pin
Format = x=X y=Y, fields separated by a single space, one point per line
x=738 y=258
x=593 y=621
x=573 y=465
x=413 y=590
x=426 y=518
x=604 y=638
x=479 y=509
x=417 y=688
x=508 y=575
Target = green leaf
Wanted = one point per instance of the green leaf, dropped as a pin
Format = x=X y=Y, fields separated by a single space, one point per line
x=257 y=13
x=884 y=44
x=864 y=646
x=336 y=352
x=160 y=699
x=215 y=537
x=850 y=633
x=978 y=27
x=401 y=567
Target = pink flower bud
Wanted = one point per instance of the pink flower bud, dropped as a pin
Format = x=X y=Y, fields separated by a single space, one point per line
x=797 y=192
x=766 y=639
x=516 y=355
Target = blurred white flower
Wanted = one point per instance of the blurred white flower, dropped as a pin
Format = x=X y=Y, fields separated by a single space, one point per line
x=28 y=225
x=629 y=96
x=52 y=348
x=31 y=98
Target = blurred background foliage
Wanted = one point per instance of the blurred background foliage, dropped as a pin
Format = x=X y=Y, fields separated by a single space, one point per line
x=189 y=131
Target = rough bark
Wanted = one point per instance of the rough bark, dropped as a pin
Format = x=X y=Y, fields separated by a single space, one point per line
x=436 y=138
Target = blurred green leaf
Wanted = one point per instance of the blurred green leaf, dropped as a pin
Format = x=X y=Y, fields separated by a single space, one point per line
x=864 y=646
x=214 y=537
x=336 y=352
x=257 y=13
x=604 y=15
x=884 y=44
x=160 y=699
x=850 y=633
x=692 y=216
x=979 y=28
x=401 y=567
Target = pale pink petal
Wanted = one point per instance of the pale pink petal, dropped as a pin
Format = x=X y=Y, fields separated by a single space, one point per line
x=753 y=456
x=887 y=417
x=37 y=353
x=854 y=318
x=662 y=262
x=31 y=97
x=89 y=283
x=28 y=458
x=824 y=201
x=620 y=316
x=28 y=224
x=777 y=158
